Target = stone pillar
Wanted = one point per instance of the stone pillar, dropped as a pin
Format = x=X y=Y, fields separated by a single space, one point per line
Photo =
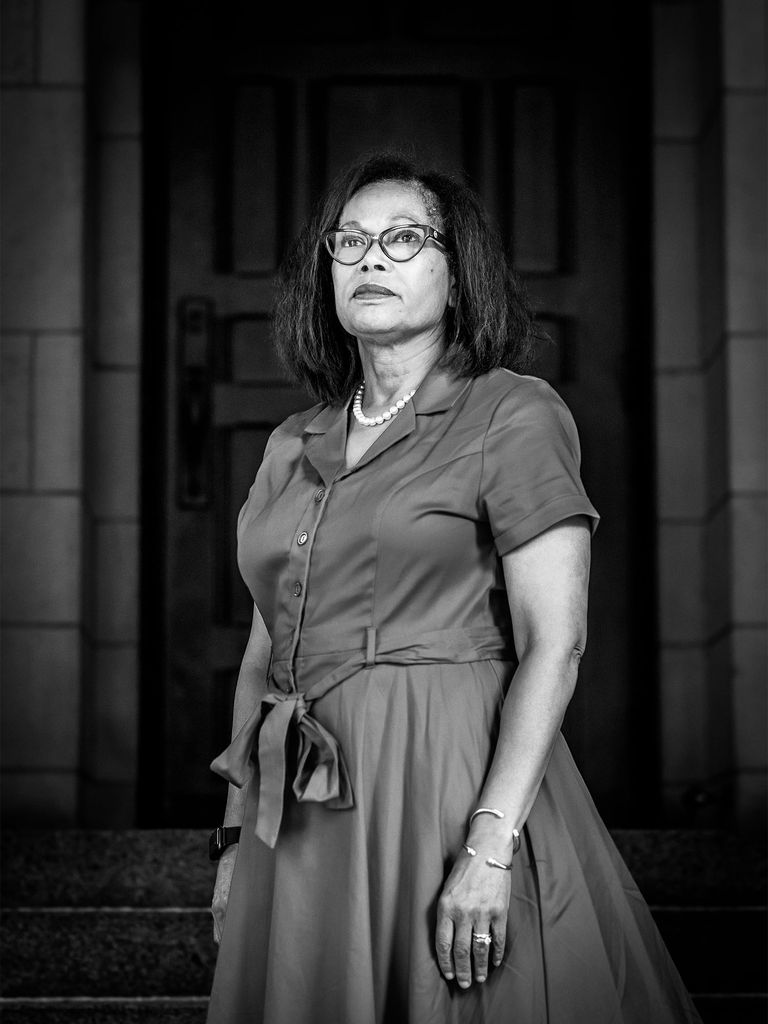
x=710 y=345
x=43 y=198
x=111 y=685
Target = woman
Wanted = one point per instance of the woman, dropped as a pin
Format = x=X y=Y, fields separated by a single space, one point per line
x=417 y=845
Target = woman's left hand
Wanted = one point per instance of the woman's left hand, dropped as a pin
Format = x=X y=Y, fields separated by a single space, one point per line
x=474 y=901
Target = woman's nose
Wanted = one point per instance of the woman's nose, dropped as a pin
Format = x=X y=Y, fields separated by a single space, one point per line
x=375 y=258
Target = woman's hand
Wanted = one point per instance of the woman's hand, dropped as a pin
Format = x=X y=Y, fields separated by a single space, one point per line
x=474 y=900
x=221 y=890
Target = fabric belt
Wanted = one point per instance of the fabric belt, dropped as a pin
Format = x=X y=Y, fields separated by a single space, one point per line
x=321 y=773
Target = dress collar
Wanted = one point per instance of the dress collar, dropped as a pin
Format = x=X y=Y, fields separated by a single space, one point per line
x=438 y=392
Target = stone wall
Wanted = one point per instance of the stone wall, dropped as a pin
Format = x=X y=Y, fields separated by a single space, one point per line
x=71 y=374
x=70 y=370
x=711 y=283
x=43 y=360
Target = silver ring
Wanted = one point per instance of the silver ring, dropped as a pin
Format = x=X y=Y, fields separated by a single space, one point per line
x=484 y=938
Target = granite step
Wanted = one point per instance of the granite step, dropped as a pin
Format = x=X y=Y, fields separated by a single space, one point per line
x=104 y=1011
x=170 y=951
x=713 y=1010
x=115 y=927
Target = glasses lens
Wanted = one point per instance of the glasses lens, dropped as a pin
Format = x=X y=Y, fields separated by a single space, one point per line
x=346 y=246
x=404 y=242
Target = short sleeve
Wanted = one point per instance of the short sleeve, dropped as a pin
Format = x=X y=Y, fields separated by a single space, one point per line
x=531 y=466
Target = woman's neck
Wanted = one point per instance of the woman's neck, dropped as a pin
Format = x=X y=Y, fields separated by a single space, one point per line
x=391 y=372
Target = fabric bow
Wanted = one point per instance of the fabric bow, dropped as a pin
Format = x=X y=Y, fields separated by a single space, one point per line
x=321 y=774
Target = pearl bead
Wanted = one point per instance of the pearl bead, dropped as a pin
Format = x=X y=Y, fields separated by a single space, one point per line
x=376 y=421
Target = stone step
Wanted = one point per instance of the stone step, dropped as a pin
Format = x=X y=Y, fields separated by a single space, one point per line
x=170 y=867
x=713 y=1010
x=114 y=926
x=107 y=952
x=105 y=868
x=103 y=1011
x=156 y=952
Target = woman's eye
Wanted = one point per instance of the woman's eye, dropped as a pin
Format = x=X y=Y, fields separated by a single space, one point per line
x=406 y=235
x=351 y=240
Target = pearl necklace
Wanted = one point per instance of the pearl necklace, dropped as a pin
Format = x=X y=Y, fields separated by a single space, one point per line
x=376 y=421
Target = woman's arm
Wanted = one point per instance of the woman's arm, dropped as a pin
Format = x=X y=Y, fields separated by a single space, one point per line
x=547 y=581
x=251 y=684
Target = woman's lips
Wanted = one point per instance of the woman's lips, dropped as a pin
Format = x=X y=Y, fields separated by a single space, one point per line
x=363 y=290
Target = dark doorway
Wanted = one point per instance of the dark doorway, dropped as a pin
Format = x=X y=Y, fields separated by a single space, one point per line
x=545 y=111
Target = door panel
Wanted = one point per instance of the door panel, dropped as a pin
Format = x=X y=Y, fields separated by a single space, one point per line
x=258 y=123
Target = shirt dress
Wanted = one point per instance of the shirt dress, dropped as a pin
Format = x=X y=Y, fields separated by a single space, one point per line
x=392 y=650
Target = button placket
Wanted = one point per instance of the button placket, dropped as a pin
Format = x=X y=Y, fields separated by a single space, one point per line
x=301 y=555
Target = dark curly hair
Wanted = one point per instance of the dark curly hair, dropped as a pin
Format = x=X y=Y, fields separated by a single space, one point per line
x=490 y=326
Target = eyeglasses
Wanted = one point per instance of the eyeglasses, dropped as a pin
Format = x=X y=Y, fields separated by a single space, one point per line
x=399 y=243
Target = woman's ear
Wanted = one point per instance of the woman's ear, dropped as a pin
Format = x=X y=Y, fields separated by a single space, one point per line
x=453 y=294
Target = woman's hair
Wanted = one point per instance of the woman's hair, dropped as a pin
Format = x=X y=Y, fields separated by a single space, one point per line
x=490 y=326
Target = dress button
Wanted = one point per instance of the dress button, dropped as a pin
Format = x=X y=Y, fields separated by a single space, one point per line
x=302 y=538
x=319 y=495
x=297 y=588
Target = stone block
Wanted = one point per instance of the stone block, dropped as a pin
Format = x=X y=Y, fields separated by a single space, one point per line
x=41 y=559
x=747 y=360
x=42 y=209
x=710 y=254
x=34 y=799
x=58 y=412
x=744 y=44
x=115 y=33
x=15 y=377
x=114 y=444
x=718 y=570
x=107 y=804
x=683 y=711
x=676 y=275
x=119 y=332
x=61 y=42
x=746 y=212
x=749 y=553
x=18 y=33
x=720 y=711
x=680 y=444
x=40 y=698
x=117 y=575
x=681 y=584
x=678 y=100
x=716 y=439
x=750 y=696
x=113 y=715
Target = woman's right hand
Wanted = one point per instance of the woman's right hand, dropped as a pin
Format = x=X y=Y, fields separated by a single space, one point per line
x=221 y=890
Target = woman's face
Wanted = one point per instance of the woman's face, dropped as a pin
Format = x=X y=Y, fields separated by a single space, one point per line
x=410 y=299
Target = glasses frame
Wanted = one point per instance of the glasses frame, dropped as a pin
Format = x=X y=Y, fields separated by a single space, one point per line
x=429 y=232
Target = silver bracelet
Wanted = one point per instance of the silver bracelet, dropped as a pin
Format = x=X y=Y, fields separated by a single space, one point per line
x=490 y=861
x=485 y=810
x=497 y=814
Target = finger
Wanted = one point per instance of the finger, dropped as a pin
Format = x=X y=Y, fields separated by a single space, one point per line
x=480 y=951
x=499 y=935
x=462 y=953
x=444 y=945
x=217 y=925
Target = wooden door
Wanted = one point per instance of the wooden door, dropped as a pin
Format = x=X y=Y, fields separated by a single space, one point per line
x=254 y=119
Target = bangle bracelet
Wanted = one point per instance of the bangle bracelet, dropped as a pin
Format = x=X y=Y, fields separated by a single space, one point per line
x=497 y=814
x=485 y=810
x=493 y=863
x=490 y=861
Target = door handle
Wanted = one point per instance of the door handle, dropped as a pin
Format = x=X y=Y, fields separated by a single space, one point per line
x=194 y=402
